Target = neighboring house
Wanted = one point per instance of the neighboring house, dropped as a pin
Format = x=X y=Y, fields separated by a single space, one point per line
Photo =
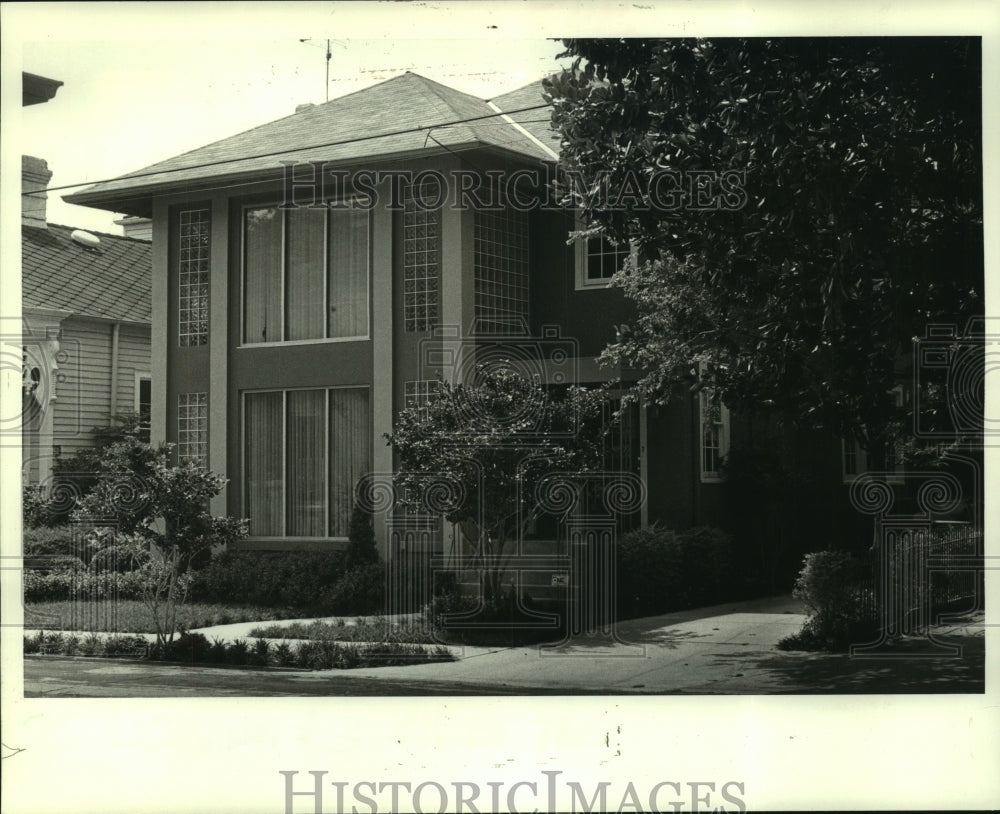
x=86 y=314
x=289 y=338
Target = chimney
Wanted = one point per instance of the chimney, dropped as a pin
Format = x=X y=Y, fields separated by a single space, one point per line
x=304 y=106
x=35 y=176
x=136 y=227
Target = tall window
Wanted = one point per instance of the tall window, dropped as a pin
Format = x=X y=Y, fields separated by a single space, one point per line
x=421 y=257
x=305 y=273
x=714 y=424
x=143 y=404
x=192 y=428
x=501 y=270
x=194 y=231
x=304 y=450
x=855 y=461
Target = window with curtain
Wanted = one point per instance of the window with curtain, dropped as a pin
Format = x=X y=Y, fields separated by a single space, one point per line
x=304 y=451
x=305 y=273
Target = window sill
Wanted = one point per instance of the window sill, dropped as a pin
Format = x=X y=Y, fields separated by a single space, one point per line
x=291 y=342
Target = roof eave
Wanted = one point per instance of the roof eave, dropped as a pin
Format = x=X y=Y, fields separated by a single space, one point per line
x=137 y=200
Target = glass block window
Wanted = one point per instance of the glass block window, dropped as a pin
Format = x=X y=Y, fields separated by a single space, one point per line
x=192 y=428
x=194 y=229
x=421 y=257
x=501 y=270
x=418 y=393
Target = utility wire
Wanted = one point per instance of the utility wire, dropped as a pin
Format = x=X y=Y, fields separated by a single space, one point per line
x=417 y=129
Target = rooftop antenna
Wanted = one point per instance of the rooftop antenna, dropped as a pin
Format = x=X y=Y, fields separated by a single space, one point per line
x=329 y=54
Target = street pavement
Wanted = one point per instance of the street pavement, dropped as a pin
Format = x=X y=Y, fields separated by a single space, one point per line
x=725 y=649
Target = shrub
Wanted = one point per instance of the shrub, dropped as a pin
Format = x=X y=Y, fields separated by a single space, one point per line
x=832 y=585
x=498 y=621
x=659 y=570
x=68 y=582
x=287 y=579
x=43 y=544
x=361 y=548
x=37 y=510
x=360 y=590
x=188 y=647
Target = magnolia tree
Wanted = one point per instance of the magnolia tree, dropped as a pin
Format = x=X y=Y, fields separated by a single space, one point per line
x=476 y=454
x=804 y=207
x=153 y=517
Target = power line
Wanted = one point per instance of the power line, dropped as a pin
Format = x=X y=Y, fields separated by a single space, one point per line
x=355 y=140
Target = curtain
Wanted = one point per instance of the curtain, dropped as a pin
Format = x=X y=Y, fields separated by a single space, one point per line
x=306 y=464
x=350 y=445
x=348 y=281
x=305 y=307
x=263 y=453
x=262 y=264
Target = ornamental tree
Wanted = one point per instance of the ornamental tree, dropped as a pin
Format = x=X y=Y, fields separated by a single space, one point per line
x=476 y=453
x=853 y=220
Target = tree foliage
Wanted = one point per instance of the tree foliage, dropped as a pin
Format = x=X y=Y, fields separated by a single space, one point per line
x=476 y=453
x=856 y=221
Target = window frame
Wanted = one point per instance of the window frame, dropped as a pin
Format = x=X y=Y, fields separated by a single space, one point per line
x=182 y=457
x=328 y=207
x=147 y=428
x=850 y=445
x=581 y=255
x=202 y=337
x=725 y=430
x=327 y=463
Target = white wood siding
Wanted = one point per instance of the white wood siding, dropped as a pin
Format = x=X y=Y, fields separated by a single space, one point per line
x=84 y=396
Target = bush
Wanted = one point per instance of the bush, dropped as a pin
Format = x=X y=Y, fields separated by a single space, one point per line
x=659 y=570
x=501 y=621
x=361 y=548
x=68 y=582
x=286 y=579
x=833 y=586
x=37 y=510
x=43 y=543
x=359 y=591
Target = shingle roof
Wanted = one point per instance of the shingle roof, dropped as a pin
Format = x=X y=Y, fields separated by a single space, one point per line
x=110 y=282
x=536 y=122
x=378 y=121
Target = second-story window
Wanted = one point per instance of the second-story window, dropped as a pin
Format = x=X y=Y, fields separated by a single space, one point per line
x=305 y=273
x=597 y=260
x=194 y=232
x=421 y=257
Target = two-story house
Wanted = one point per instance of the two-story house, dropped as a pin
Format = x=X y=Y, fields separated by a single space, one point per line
x=289 y=337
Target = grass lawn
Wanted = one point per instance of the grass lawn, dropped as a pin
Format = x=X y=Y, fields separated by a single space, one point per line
x=378 y=629
x=132 y=616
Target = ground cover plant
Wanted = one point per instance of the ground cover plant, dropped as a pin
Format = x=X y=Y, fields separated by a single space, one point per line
x=134 y=616
x=376 y=629
x=195 y=648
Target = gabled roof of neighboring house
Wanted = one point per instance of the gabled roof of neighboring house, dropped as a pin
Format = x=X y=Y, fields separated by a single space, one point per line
x=111 y=281
x=408 y=114
x=536 y=122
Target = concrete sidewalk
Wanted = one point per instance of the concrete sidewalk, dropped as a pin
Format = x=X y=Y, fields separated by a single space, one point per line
x=725 y=649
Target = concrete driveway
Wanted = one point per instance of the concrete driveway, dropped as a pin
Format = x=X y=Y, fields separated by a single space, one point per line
x=725 y=649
